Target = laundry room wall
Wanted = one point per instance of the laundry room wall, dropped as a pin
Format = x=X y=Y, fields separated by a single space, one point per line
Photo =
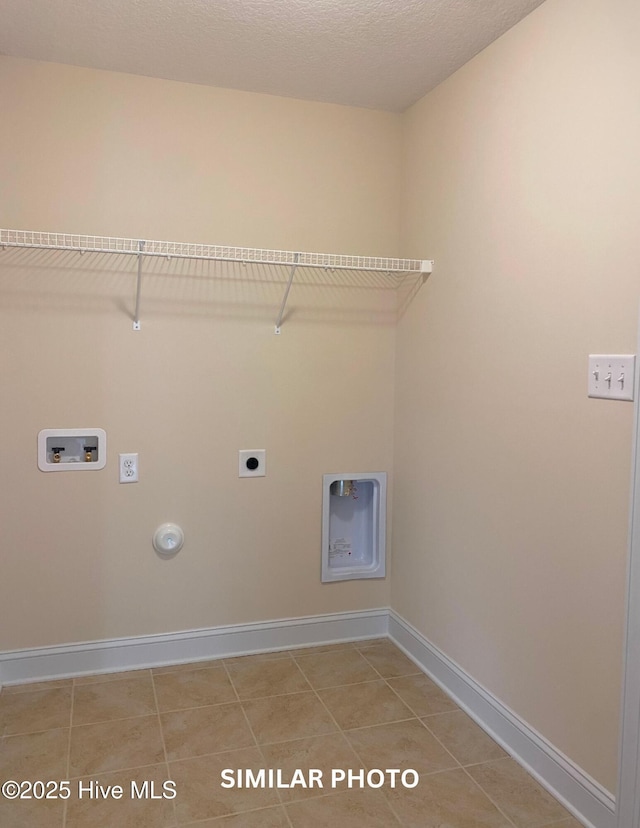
x=512 y=486
x=92 y=152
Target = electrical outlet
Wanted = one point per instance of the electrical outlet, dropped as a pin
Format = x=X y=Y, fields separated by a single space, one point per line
x=252 y=463
x=611 y=376
x=128 y=468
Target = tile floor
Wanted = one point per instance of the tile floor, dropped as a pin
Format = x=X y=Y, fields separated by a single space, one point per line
x=346 y=706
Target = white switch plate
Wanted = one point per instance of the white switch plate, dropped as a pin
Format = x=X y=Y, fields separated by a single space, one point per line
x=128 y=468
x=612 y=376
x=252 y=463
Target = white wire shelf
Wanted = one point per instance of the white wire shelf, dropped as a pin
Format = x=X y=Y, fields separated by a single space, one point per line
x=186 y=250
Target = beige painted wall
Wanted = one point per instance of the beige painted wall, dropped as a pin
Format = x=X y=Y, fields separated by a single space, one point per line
x=521 y=179
x=96 y=152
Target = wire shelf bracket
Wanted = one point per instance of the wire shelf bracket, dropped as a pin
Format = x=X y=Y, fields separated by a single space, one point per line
x=286 y=293
x=219 y=253
x=136 y=315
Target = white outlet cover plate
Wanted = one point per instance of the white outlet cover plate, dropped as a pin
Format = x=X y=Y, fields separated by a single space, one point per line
x=246 y=454
x=620 y=368
x=128 y=465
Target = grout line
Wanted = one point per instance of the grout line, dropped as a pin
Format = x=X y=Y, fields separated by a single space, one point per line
x=281 y=803
x=444 y=713
x=363 y=762
x=490 y=798
x=278 y=794
x=285 y=811
x=186 y=667
x=37 y=686
x=341 y=792
x=310 y=688
x=440 y=742
x=332 y=717
x=244 y=712
x=368 y=643
x=117 y=770
x=263 y=655
x=321 y=650
x=4 y=736
x=488 y=795
x=164 y=746
x=460 y=766
x=378 y=724
x=301 y=671
x=239 y=701
x=68 y=768
x=253 y=735
x=179 y=709
x=225 y=817
x=110 y=678
x=112 y=721
x=406 y=703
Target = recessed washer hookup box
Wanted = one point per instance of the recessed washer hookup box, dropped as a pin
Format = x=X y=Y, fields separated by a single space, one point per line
x=72 y=449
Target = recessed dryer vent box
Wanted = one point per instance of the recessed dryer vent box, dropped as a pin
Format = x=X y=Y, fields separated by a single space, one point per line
x=72 y=449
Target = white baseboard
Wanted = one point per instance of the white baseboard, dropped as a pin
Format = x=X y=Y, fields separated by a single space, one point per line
x=580 y=794
x=577 y=791
x=117 y=654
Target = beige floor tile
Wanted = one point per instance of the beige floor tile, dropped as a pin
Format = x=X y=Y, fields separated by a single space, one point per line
x=274 y=817
x=32 y=712
x=280 y=718
x=200 y=794
x=47 y=813
x=35 y=756
x=400 y=745
x=389 y=661
x=109 y=700
x=362 y=705
x=334 y=668
x=135 y=809
x=350 y=809
x=525 y=802
x=35 y=686
x=422 y=695
x=107 y=746
x=193 y=688
x=445 y=799
x=323 y=753
x=204 y=730
x=257 y=679
x=97 y=678
x=30 y=758
x=463 y=738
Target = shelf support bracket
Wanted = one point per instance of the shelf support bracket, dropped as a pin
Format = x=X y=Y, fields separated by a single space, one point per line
x=136 y=315
x=286 y=293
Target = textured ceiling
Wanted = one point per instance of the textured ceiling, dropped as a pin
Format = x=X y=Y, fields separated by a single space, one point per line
x=381 y=54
